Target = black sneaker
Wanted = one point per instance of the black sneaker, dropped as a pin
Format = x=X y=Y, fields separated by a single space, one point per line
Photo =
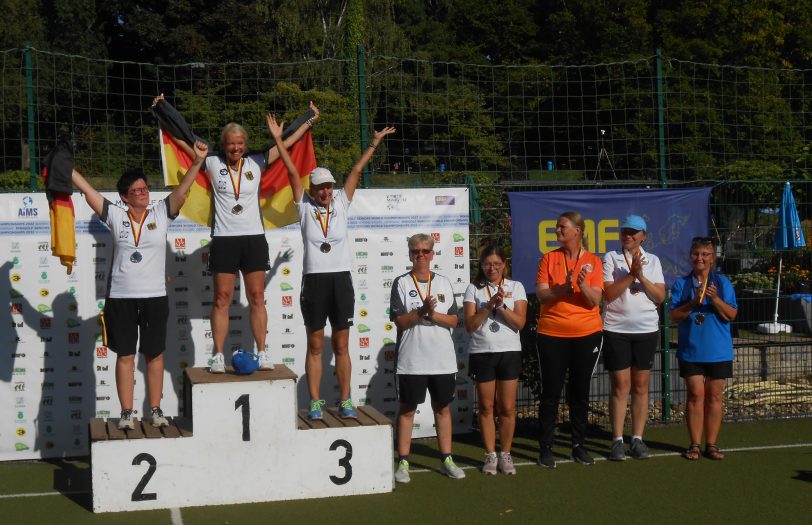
x=546 y=458
x=580 y=455
x=638 y=450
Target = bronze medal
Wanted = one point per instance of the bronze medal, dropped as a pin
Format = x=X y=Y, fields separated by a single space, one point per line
x=237 y=209
x=325 y=247
x=700 y=318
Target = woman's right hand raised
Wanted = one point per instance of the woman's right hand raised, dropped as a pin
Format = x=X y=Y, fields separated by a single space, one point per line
x=274 y=127
x=201 y=150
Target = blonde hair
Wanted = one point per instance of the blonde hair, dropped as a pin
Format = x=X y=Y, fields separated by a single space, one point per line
x=232 y=128
x=576 y=218
x=420 y=238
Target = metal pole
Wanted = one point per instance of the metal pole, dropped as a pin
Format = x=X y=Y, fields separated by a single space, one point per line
x=362 y=109
x=661 y=118
x=32 y=141
x=666 y=364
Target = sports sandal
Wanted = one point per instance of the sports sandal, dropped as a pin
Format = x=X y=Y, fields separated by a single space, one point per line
x=692 y=453
x=712 y=452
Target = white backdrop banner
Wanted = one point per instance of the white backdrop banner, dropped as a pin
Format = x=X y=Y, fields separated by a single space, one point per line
x=55 y=373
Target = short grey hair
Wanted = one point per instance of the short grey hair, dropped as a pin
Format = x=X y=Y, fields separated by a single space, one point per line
x=420 y=238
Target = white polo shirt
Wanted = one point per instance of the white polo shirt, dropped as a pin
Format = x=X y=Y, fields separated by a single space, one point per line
x=426 y=348
x=337 y=259
x=498 y=337
x=246 y=219
x=631 y=313
x=137 y=272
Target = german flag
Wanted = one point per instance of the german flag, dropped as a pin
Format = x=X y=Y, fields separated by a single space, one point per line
x=276 y=196
x=58 y=188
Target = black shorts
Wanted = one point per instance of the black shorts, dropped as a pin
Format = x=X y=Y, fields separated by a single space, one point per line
x=622 y=351
x=127 y=321
x=499 y=366
x=412 y=388
x=718 y=370
x=327 y=295
x=245 y=253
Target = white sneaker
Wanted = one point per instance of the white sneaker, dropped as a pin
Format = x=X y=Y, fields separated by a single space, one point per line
x=126 y=422
x=218 y=364
x=489 y=467
x=402 y=472
x=506 y=464
x=158 y=418
x=450 y=469
x=265 y=360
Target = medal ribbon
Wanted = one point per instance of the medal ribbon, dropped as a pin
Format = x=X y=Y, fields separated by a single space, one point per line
x=704 y=288
x=236 y=183
x=137 y=234
x=325 y=223
x=488 y=289
x=566 y=266
x=417 y=287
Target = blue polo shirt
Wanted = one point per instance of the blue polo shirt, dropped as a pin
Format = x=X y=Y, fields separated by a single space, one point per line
x=709 y=342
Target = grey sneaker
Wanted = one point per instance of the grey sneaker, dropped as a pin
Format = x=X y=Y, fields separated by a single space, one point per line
x=126 y=422
x=489 y=467
x=506 y=464
x=218 y=364
x=618 y=451
x=546 y=458
x=265 y=360
x=639 y=450
x=450 y=469
x=402 y=472
x=580 y=455
x=158 y=419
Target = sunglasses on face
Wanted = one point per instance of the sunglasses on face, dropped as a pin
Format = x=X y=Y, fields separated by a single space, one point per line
x=423 y=252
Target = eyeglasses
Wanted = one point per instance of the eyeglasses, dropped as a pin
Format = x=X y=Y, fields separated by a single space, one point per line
x=139 y=191
x=493 y=265
x=423 y=252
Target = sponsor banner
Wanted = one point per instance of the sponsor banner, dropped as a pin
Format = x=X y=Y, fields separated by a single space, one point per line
x=56 y=373
x=673 y=218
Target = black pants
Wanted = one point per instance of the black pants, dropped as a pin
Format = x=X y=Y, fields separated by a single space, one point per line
x=557 y=355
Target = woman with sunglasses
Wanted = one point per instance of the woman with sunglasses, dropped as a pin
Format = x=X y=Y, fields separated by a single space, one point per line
x=494 y=310
x=327 y=291
x=569 y=287
x=704 y=304
x=423 y=308
x=136 y=308
x=634 y=286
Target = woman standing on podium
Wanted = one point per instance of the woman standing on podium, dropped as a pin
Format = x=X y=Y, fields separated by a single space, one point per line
x=136 y=308
x=327 y=290
x=704 y=304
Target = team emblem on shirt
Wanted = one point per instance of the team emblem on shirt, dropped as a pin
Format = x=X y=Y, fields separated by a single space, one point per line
x=151 y=226
x=412 y=293
x=441 y=297
x=249 y=175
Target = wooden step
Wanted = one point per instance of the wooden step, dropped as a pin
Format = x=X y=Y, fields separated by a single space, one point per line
x=107 y=430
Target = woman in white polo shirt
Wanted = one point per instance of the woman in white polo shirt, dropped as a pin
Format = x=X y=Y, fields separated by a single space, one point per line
x=634 y=287
x=136 y=308
x=327 y=290
x=495 y=310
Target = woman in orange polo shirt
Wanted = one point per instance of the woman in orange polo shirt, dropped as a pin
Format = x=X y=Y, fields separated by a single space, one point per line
x=569 y=286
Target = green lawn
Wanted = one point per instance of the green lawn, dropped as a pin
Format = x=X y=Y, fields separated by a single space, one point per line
x=772 y=484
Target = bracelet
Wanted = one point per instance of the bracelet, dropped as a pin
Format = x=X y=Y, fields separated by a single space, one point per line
x=373 y=146
x=310 y=122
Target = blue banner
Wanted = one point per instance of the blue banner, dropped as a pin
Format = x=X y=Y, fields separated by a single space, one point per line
x=673 y=217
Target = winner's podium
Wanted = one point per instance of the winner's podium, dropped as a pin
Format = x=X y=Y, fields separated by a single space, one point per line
x=241 y=441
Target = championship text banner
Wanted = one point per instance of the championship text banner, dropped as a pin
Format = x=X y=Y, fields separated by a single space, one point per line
x=673 y=217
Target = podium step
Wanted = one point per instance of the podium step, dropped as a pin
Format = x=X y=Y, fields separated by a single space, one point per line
x=367 y=416
x=101 y=430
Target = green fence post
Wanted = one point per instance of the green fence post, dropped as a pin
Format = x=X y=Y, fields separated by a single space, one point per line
x=666 y=363
x=362 y=109
x=661 y=118
x=29 y=91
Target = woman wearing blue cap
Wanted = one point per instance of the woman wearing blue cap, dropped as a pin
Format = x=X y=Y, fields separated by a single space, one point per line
x=634 y=287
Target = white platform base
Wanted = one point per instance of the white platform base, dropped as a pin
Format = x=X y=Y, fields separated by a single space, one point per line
x=774 y=328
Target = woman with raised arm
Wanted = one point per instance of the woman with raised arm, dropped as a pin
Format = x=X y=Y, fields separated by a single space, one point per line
x=634 y=287
x=327 y=290
x=238 y=242
x=704 y=304
x=495 y=310
x=136 y=308
x=569 y=287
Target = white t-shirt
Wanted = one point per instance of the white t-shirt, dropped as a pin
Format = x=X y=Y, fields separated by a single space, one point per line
x=500 y=337
x=138 y=272
x=338 y=258
x=246 y=219
x=426 y=348
x=631 y=313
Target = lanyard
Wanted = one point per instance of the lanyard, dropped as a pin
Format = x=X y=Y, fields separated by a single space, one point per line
x=704 y=287
x=566 y=266
x=137 y=233
x=417 y=287
x=235 y=183
x=325 y=223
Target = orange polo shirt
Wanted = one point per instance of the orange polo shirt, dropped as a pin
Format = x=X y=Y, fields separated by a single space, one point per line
x=569 y=315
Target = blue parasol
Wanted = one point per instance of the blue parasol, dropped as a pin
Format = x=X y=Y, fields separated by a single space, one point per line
x=788 y=236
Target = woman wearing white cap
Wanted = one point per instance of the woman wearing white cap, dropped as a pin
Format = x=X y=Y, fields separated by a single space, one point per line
x=327 y=290
x=634 y=287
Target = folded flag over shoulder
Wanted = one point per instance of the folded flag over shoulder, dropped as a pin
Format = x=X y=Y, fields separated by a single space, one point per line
x=58 y=188
x=276 y=196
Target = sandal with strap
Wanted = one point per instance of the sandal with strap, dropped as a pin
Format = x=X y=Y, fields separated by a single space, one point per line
x=692 y=453
x=712 y=452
